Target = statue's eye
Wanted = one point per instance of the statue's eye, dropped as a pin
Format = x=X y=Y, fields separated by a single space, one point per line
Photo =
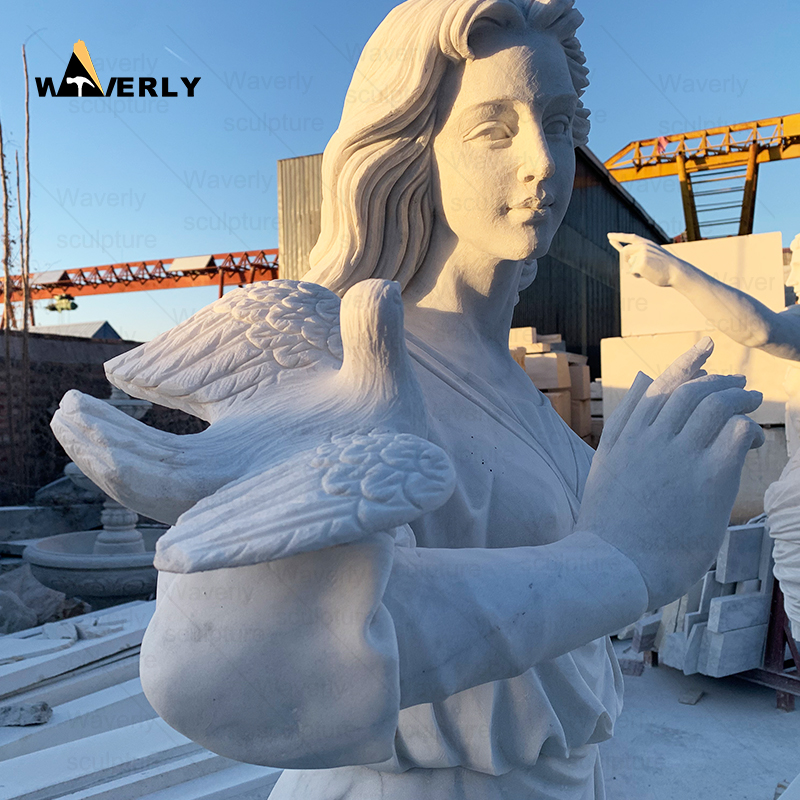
x=495 y=131
x=558 y=127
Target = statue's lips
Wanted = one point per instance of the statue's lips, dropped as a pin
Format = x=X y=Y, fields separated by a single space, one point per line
x=533 y=212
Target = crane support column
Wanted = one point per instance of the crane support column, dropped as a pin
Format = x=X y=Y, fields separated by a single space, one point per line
x=750 y=185
x=687 y=195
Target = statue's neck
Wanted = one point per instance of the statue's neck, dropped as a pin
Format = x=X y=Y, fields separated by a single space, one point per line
x=462 y=299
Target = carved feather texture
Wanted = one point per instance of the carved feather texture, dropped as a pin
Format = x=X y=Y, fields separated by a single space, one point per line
x=346 y=489
x=285 y=467
x=234 y=348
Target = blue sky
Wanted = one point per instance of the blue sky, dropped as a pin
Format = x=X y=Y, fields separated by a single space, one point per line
x=118 y=180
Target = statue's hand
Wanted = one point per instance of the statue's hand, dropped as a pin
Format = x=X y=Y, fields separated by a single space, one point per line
x=667 y=470
x=646 y=259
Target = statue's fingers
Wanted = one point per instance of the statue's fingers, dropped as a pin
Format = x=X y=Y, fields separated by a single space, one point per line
x=715 y=411
x=738 y=436
x=622 y=413
x=619 y=240
x=685 y=368
x=685 y=400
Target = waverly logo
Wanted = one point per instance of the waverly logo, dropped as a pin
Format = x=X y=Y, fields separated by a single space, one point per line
x=80 y=80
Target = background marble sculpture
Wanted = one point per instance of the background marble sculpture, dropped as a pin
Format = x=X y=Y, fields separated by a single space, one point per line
x=755 y=326
x=460 y=651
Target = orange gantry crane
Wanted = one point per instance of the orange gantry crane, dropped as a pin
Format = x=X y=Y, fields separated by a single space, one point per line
x=717 y=163
x=221 y=269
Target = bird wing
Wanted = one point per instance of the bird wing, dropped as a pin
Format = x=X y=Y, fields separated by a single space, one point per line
x=348 y=488
x=233 y=348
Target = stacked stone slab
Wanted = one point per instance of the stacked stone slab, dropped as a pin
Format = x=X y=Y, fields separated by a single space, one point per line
x=720 y=627
x=561 y=376
x=102 y=740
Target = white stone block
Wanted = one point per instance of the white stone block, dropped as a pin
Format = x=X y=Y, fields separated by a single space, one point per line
x=692 y=619
x=93 y=760
x=518 y=354
x=753 y=264
x=733 y=651
x=548 y=370
x=101 y=711
x=672 y=652
x=762 y=467
x=562 y=403
x=577 y=359
x=580 y=381
x=740 y=555
x=520 y=337
x=694 y=642
x=551 y=338
x=669 y=621
x=713 y=588
x=581 y=417
x=622 y=359
x=738 y=611
x=644 y=633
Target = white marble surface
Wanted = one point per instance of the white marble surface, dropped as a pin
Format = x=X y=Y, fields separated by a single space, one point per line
x=393 y=566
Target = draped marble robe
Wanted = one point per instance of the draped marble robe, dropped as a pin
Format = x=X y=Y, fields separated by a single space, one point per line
x=521 y=473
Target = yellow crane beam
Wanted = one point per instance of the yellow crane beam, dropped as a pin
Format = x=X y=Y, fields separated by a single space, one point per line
x=744 y=146
x=777 y=138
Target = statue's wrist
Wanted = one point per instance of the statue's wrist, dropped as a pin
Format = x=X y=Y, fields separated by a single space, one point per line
x=678 y=273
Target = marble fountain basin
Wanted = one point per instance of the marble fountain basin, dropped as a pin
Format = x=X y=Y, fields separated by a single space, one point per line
x=67 y=562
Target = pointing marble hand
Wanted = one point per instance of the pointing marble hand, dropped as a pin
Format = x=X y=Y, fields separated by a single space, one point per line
x=693 y=428
x=646 y=259
x=315 y=427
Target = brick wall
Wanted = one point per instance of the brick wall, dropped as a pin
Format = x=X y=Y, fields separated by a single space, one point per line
x=57 y=364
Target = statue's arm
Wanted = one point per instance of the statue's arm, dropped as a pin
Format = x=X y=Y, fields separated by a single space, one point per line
x=470 y=616
x=738 y=315
x=305 y=662
x=733 y=312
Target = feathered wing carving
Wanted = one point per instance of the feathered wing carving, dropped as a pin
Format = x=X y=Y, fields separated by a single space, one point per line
x=342 y=491
x=234 y=349
x=316 y=417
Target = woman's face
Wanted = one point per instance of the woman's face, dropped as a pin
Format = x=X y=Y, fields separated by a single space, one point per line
x=504 y=154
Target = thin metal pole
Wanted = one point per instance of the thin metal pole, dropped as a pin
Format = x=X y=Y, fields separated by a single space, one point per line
x=7 y=313
x=26 y=274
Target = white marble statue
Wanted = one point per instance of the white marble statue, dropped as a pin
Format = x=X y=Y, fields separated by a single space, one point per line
x=777 y=333
x=393 y=568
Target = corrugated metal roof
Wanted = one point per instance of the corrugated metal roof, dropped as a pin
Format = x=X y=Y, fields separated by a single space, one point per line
x=83 y=330
x=190 y=263
x=50 y=276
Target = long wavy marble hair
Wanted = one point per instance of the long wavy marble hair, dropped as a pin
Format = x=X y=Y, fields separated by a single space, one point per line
x=377 y=209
